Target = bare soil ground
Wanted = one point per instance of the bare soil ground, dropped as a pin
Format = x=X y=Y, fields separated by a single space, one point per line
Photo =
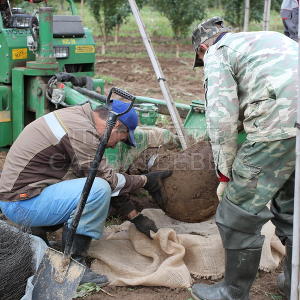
x=135 y=74
x=264 y=288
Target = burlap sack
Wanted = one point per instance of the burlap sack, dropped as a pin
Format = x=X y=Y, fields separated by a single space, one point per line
x=189 y=194
x=177 y=250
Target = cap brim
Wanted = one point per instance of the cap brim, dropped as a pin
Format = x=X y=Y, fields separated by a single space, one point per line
x=198 y=62
x=131 y=140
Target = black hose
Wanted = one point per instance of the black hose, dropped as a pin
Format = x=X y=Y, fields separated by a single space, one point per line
x=90 y=94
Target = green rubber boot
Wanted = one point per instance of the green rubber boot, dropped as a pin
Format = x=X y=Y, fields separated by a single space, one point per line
x=240 y=271
x=284 y=279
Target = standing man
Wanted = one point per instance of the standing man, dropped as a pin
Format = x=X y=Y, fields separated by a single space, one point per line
x=290 y=14
x=250 y=78
x=45 y=171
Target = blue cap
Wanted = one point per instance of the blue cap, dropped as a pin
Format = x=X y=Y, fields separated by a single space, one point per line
x=130 y=119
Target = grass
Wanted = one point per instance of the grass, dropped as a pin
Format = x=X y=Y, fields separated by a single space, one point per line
x=156 y=24
x=275 y=23
x=108 y=79
x=113 y=221
x=159 y=26
x=275 y=20
x=274 y=296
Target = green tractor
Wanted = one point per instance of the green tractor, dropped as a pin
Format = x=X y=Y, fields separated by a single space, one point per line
x=48 y=62
x=33 y=49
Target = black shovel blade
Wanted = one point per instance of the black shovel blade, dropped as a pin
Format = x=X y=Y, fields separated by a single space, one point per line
x=52 y=282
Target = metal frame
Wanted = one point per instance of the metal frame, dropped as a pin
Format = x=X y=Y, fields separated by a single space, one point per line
x=296 y=224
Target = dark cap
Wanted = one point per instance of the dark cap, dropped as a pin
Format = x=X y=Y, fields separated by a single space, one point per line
x=205 y=31
x=130 y=119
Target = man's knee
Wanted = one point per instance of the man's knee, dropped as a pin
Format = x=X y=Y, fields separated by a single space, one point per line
x=101 y=190
x=95 y=212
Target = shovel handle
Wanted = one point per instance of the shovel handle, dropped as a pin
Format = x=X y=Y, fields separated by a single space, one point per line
x=110 y=123
x=122 y=93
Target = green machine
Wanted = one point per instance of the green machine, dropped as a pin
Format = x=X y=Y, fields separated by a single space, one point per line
x=47 y=62
x=32 y=49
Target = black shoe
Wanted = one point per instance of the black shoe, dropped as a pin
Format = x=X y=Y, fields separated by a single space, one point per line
x=42 y=231
x=240 y=271
x=284 y=278
x=81 y=244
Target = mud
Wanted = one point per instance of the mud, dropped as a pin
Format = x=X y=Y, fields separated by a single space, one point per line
x=134 y=73
x=189 y=195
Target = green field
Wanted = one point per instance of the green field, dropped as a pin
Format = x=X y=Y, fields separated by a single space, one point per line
x=158 y=25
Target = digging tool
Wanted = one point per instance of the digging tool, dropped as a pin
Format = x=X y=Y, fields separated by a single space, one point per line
x=59 y=275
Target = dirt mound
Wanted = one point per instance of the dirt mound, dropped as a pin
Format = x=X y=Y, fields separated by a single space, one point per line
x=190 y=193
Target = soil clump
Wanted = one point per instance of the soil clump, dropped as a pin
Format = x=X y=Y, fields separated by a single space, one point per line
x=189 y=194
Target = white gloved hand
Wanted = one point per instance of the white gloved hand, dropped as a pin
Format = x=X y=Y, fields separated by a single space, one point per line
x=220 y=190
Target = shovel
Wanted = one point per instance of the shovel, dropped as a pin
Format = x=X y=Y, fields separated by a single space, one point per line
x=58 y=275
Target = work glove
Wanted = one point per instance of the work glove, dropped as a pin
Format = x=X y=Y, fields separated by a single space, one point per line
x=222 y=185
x=154 y=184
x=220 y=190
x=144 y=224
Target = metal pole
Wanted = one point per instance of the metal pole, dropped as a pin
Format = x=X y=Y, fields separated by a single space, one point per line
x=296 y=223
x=46 y=34
x=45 y=59
x=160 y=76
x=81 y=8
x=73 y=7
x=267 y=9
x=246 y=16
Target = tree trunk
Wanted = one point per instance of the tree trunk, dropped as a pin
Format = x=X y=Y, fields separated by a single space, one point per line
x=62 y=4
x=81 y=7
x=103 y=50
x=246 y=15
x=117 y=33
x=267 y=9
x=177 y=49
x=103 y=46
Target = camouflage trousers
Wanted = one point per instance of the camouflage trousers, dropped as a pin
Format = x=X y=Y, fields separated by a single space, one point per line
x=262 y=172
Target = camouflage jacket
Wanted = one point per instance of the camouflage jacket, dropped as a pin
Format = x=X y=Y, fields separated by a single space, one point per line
x=249 y=77
x=289 y=4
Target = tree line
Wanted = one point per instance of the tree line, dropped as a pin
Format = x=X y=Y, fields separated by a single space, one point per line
x=111 y=14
